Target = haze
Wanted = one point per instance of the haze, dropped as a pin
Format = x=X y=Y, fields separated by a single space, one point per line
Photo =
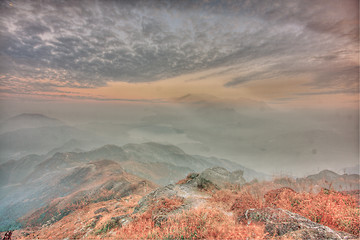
x=272 y=85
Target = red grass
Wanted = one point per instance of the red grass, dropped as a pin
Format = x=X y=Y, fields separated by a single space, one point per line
x=166 y=218
x=162 y=207
x=333 y=209
x=202 y=223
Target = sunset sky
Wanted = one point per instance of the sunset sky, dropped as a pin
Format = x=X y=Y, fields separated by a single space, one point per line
x=286 y=53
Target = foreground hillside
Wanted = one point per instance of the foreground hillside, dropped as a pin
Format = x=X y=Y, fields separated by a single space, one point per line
x=215 y=204
x=35 y=181
x=51 y=195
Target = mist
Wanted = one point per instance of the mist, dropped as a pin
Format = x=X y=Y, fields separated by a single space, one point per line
x=274 y=141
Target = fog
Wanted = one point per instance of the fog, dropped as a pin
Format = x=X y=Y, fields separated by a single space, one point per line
x=294 y=142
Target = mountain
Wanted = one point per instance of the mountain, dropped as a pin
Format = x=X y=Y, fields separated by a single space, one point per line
x=331 y=180
x=16 y=171
x=197 y=99
x=351 y=170
x=33 y=181
x=213 y=204
x=170 y=158
x=324 y=179
x=73 y=145
x=25 y=141
x=28 y=120
x=170 y=154
x=156 y=162
x=30 y=133
x=53 y=194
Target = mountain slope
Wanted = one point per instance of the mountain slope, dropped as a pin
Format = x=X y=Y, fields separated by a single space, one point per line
x=205 y=206
x=168 y=157
x=15 y=172
x=73 y=175
x=331 y=180
x=93 y=181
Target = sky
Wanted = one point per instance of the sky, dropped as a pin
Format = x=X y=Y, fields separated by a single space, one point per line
x=295 y=53
x=124 y=59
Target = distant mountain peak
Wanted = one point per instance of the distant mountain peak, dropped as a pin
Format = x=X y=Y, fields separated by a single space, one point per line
x=154 y=145
x=31 y=115
x=207 y=99
x=197 y=98
x=108 y=147
x=324 y=174
x=327 y=172
x=29 y=120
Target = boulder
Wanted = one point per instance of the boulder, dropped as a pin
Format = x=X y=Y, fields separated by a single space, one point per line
x=218 y=177
x=100 y=210
x=122 y=220
x=280 y=223
x=144 y=204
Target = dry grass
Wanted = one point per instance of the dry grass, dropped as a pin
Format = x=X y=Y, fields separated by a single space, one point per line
x=201 y=223
x=330 y=208
x=333 y=209
x=216 y=218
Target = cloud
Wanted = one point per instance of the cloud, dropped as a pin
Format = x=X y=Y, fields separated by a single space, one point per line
x=85 y=44
x=245 y=79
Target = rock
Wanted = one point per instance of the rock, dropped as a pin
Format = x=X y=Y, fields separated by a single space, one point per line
x=192 y=175
x=314 y=234
x=217 y=177
x=98 y=216
x=159 y=218
x=25 y=234
x=95 y=221
x=189 y=188
x=279 y=229
x=122 y=220
x=100 y=210
x=167 y=191
x=236 y=177
x=286 y=224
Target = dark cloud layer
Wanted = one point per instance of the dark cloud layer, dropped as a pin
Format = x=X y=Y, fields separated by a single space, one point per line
x=82 y=44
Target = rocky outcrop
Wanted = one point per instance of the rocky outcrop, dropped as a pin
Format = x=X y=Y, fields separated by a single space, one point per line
x=280 y=223
x=217 y=177
x=221 y=177
x=122 y=220
x=191 y=187
x=168 y=191
x=100 y=210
